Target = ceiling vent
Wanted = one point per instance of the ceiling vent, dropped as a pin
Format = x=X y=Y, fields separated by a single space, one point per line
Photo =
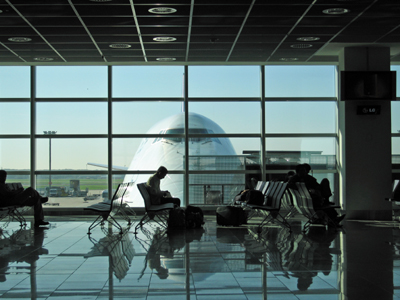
x=301 y=46
x=164 y=39
x=20 y=39
x=166 y=59
x=120 y=46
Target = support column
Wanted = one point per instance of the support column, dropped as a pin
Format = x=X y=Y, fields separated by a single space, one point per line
x=364 y=157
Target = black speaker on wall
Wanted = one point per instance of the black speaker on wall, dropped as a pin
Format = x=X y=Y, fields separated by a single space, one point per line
x=368 y=85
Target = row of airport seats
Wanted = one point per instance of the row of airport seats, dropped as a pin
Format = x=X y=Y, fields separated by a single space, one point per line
x=270 y=210
x=282 y=203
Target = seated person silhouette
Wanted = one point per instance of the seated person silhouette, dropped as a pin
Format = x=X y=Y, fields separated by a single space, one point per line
x=23 y=197
x=157 y=196
x=318 y=194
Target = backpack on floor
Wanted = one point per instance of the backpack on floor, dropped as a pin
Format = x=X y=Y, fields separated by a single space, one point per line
x=230 y=216
x=194 y=217
x=176 y=218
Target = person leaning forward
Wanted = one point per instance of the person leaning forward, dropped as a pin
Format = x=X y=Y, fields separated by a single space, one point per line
x=22 y=197
x=158 y=196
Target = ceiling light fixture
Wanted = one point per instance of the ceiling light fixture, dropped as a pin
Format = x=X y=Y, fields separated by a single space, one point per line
x=100 y=0
x=289 y=58
x=20 y=39
x=120 y=46
x=301 y=46
x=308 y=38
x=336 y=11
x=43 y=58
x=164 y=39
x=166 y=59
x=162 y=10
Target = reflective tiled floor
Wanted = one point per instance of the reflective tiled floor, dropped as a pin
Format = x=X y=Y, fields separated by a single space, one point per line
x=63 y=262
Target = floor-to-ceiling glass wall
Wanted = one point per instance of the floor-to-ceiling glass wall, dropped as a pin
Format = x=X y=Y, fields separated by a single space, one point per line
x=81 y=130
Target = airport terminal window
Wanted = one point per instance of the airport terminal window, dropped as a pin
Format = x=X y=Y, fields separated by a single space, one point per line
x=300 y=117
x=72 y=190
x=71 y=82
x=235 y=146
x=15 y=82
x=395 y=110
x=396 y=152
x=130 y=117
x=397 y=69
x=15 y=154
x=70 y=153
x=147 y=81
x=72 y=117
x=15 y=118
x=232 y=117
x=300 y=81
x=224 y=81
x=124 y=149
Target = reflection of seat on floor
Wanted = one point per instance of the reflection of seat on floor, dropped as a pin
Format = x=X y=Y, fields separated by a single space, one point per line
x=118 y=248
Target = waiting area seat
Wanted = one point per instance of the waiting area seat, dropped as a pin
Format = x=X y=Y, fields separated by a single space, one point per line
x=157 y=213
x=304 y=204
x=109 y=208
x=272 y=205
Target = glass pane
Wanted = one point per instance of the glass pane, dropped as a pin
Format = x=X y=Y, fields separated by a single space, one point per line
x=140 y=117
x=224 y=81
x=319 y=152
x=300 y=81
x=147 y=81
x=174 y=183
x=397 y=69
x=15 y=118
x=25 y=180
x=300 y=117
x=214 y=189
x=72 y=118
x=70 y=190
x=15 y=154
x=15 y=82
x=232 y=117
x=71 y=81
x=395 y=116
x=70 y=154
x=396 y=152
x=124 y=150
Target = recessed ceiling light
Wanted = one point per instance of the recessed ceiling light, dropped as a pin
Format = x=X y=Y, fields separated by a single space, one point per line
x=120 y=46
x=308 y=38
x=301 y=46
x=164 y=39
x=166 y=58
x=336 y=11
x=162 y=10
x=289 y=58
x=43 y=58
x=20 y=39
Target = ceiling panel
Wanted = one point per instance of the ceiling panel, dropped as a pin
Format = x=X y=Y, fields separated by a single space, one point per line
x=216 y=30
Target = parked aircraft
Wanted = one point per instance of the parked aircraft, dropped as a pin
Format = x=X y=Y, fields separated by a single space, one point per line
x=170 y=152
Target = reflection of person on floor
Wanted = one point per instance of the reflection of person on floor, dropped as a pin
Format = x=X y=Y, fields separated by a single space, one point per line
x=315 y=255
x=23 y=197
x=29 y=254
x=158 y=244
x=158 y=196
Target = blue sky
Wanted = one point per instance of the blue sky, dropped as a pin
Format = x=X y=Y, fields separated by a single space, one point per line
x=160 y=82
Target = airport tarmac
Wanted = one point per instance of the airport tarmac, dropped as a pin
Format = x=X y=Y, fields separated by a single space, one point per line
x=74 y=201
